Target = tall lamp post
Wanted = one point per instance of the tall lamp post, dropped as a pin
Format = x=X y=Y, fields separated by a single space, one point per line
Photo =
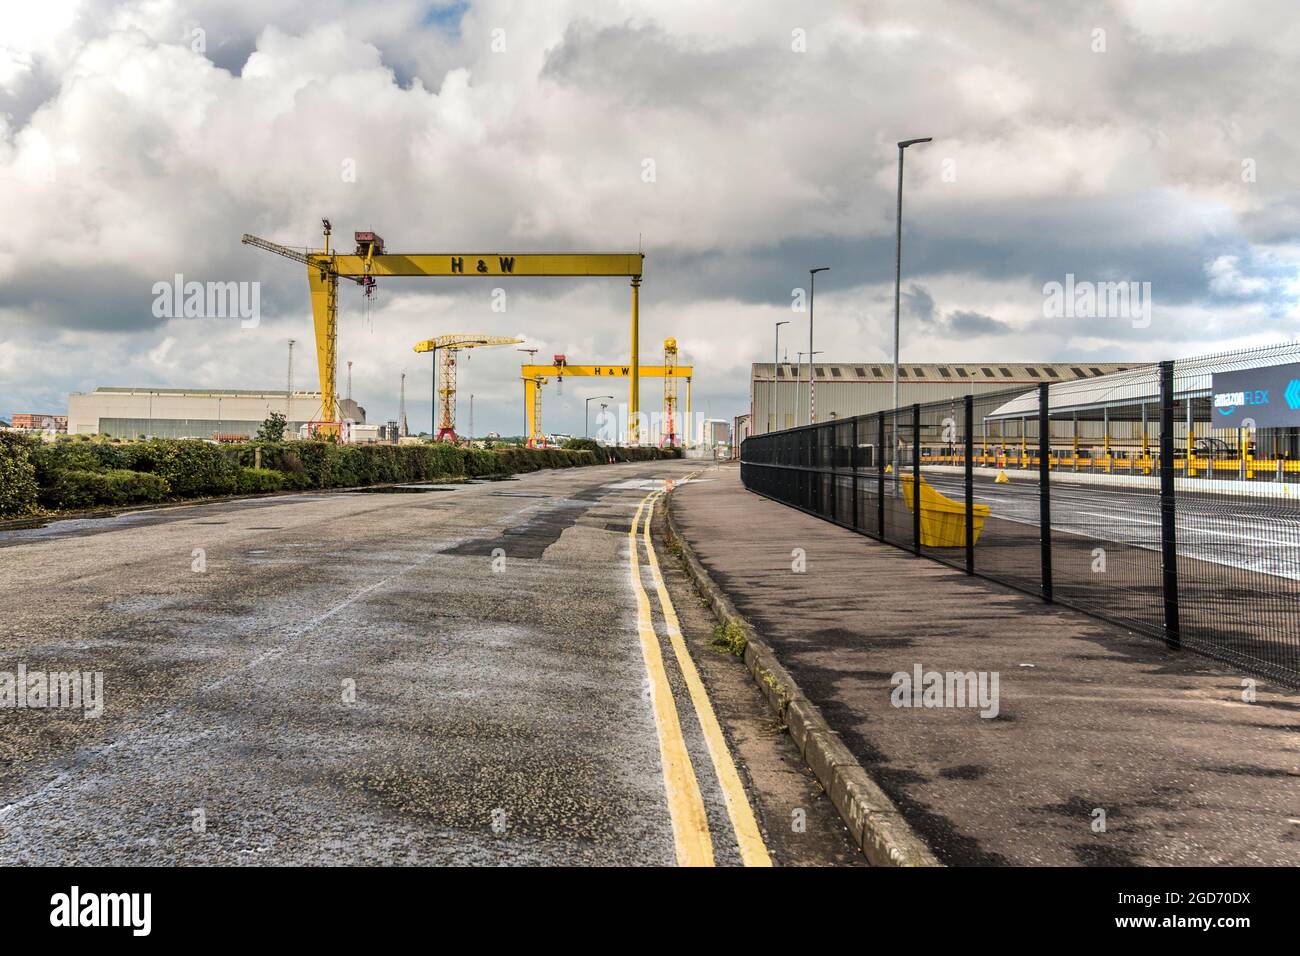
x=812 y=294
x=898 y=252
x=776 y=359
x=586 y=413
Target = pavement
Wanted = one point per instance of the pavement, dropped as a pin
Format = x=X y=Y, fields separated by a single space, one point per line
x=449 y=674
x=1104 y=748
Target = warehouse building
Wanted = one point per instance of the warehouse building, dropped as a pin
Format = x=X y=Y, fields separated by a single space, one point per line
x=227 y=414
x=780 y=400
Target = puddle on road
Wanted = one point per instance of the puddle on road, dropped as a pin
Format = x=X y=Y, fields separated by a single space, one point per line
x=651 y=484
x=405 y=489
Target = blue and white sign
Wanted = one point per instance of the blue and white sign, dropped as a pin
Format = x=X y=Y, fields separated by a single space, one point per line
x=1266 y=397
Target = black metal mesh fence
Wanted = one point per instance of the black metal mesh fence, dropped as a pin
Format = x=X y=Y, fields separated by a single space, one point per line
x=1171 y=495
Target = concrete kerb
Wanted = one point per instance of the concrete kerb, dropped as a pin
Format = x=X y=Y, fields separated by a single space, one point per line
x=877 y=827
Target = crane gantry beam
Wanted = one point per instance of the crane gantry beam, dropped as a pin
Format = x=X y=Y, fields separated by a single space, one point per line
x=325 y=268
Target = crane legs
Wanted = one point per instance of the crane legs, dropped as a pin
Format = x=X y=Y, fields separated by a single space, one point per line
x=325 y=316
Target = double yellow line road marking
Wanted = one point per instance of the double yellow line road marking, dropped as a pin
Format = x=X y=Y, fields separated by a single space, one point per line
x=685 y=802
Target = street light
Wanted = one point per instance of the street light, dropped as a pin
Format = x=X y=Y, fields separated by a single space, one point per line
x=812 y=292
x=898 y=253
x=776 y=352
x=586 y=413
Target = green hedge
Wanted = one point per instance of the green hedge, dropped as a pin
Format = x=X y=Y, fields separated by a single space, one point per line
x=18 y=483
x=252 y=481
x=82 y=472
x=192 y=468
x=117 y=486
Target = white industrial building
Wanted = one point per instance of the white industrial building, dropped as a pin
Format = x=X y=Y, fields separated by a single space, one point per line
x=211 y=413
x=842 y=390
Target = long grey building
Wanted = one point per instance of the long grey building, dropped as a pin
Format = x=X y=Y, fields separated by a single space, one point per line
x=779 y=394
x=225 y=413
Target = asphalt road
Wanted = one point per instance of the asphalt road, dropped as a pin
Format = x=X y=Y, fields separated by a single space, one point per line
x=464 y=675
x=1254 y=534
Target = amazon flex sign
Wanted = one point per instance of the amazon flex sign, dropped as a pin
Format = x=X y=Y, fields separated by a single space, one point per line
x=1269 y=397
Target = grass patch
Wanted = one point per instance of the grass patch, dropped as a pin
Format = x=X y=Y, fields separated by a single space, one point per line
x=730 y=638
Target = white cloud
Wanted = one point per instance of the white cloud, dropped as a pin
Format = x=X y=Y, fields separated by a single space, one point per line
x=128 y=156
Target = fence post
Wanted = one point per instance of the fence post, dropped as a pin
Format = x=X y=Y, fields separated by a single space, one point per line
x=1045 y=489
x=969 y=402
x=853 y=463
x=916 y=478
x=1168 y=541
x=880 y=466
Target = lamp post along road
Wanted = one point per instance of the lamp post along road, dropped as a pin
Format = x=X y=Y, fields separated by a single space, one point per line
x=898 y=253
x=812 y=293
x=776 y=353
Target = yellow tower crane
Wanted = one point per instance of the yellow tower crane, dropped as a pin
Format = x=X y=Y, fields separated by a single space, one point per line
x=670 y=394
x=449 y=345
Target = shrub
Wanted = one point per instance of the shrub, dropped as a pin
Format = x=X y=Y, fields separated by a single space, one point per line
x=252 y=481
x=191 y=468
x=77 y=454
x=118 y=486
x=18 y=484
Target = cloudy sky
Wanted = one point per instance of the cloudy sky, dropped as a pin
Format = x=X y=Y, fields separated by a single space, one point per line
x=738 y=144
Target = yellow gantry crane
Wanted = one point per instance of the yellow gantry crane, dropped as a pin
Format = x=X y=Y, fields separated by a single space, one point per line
x=536 y=375
x=449 y=345
x=370 y=261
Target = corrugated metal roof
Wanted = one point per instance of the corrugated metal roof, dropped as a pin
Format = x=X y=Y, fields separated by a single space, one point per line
x=1192 y=379
x=983 y=372
x=196 y=392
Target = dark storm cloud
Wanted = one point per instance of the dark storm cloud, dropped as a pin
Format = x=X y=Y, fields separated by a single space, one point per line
x=1122 y=165
x=964 y=324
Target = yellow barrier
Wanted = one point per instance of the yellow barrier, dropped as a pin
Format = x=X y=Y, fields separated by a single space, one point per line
x=943 y=521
